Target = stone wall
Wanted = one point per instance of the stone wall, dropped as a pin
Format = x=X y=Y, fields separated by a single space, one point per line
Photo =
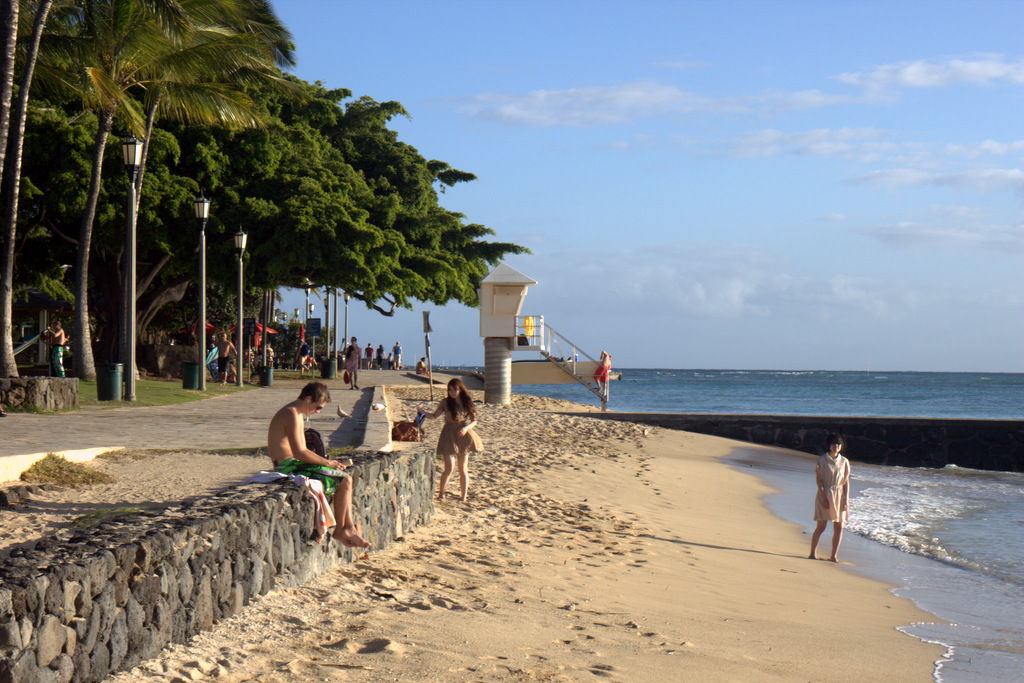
x=909 y=442
x=85 y=605
x=44 y=393
x=165 y=360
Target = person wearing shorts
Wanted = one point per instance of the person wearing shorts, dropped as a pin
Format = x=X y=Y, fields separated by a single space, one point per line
x=286 y=444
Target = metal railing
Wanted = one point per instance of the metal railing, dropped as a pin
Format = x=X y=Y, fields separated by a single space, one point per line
x=533 y=334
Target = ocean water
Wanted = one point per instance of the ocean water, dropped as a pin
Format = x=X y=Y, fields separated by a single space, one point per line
x=770 y=392
x=951 y=540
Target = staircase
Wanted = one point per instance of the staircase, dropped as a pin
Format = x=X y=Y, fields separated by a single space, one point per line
x=532 y=334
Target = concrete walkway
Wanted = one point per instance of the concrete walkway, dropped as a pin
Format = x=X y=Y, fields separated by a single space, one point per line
x=236 y=420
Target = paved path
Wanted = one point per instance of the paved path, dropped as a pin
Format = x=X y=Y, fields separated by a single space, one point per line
x=237 y=420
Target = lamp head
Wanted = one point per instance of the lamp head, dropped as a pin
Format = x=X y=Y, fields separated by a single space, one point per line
x=240 y=240
x=202 y=205
x=132 y=151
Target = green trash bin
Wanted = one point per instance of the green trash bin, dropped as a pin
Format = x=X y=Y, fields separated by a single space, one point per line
x=267 y=377
x=108 y=382
x=329 y=368
x=190 y=376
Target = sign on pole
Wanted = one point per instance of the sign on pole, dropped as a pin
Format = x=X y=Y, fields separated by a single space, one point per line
x=313 y=327
x=426 y=341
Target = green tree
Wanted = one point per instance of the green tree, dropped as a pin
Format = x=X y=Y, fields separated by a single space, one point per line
x=326 y=192
x=108 y=51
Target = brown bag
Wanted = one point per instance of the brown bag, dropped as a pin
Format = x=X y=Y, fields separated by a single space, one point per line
x=405 y=431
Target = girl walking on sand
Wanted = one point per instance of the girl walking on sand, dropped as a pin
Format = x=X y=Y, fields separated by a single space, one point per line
x=458 y=438
x=832 y=503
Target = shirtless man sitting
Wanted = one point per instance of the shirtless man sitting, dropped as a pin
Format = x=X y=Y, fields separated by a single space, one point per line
x=286 y=441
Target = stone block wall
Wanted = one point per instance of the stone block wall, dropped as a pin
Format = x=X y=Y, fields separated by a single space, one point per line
x=908 y=442
x=44 y=393
x=90 y=603
x=164 y=360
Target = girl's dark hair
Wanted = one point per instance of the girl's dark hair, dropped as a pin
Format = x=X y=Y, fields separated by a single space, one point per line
x=833 y=439
x=464 y=400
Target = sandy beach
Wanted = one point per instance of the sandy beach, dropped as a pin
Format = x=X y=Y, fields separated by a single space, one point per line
x=587 y=548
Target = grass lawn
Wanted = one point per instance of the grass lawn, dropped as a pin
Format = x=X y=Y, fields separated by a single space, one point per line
x=154 y=392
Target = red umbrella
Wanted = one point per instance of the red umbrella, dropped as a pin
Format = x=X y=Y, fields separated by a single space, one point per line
x=259 y=329
x=195 y=328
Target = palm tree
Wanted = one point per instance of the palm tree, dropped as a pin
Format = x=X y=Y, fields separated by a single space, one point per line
x=8 y=364
x=186 y=58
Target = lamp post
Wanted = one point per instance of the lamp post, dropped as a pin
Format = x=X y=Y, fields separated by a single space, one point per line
x=132 y=150
x=334 y=349
x=240 y=238
x=347 y=297
x=202 y=205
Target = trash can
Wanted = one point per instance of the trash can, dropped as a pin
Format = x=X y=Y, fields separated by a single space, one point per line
x=108 y=382
x=329 y=368
x=190 y=376
x=267 y=377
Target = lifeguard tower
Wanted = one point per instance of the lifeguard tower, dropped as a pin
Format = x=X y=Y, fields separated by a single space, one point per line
x=505 y=330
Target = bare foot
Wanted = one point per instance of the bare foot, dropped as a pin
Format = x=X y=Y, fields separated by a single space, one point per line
x=812 y=556
x=440 y=496
x=833 y=559
x=350 y=538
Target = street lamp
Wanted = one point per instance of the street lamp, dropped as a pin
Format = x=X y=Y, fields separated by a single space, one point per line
x=202 y=205
x=132 y=150
x=240 y=238
x=334 y=349
x=347 y=297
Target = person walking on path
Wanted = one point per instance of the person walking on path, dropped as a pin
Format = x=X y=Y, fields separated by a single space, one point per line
x=352 y=354
x=224 y=350
x=380 y=358
x=304 y=358
x=396 y=357
x=369 y=357
x=458 y=436
x=58 y=338
x=286 y=443
x=832 y=502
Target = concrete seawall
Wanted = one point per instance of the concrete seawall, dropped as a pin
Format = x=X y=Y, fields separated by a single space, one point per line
x=908 y=442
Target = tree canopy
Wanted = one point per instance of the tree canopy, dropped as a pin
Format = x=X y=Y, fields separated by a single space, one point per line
x=325 y=189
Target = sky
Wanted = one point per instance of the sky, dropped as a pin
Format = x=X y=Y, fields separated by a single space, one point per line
x=749 y=185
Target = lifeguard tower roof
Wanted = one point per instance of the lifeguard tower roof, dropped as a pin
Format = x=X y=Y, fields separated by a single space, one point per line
x=507 y=275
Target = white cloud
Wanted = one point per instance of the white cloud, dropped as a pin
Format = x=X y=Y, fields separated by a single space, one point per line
x=988 y=147
x=945 y=227
x=983 y=179
x=835 y=217
x=845 y=143
x=578 y=107
x=627 y=102
x=982 y=70
x=706 y=281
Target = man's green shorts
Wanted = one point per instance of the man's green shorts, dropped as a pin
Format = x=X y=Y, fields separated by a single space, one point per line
x=328 y=476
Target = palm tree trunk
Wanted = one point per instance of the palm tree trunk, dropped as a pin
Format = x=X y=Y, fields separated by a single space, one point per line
x=8 y=50
x=8 y=45
x=8 y=363
x=81 y=340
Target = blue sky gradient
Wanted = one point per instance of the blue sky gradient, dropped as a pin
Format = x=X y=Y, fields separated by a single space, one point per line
x=781 y=185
